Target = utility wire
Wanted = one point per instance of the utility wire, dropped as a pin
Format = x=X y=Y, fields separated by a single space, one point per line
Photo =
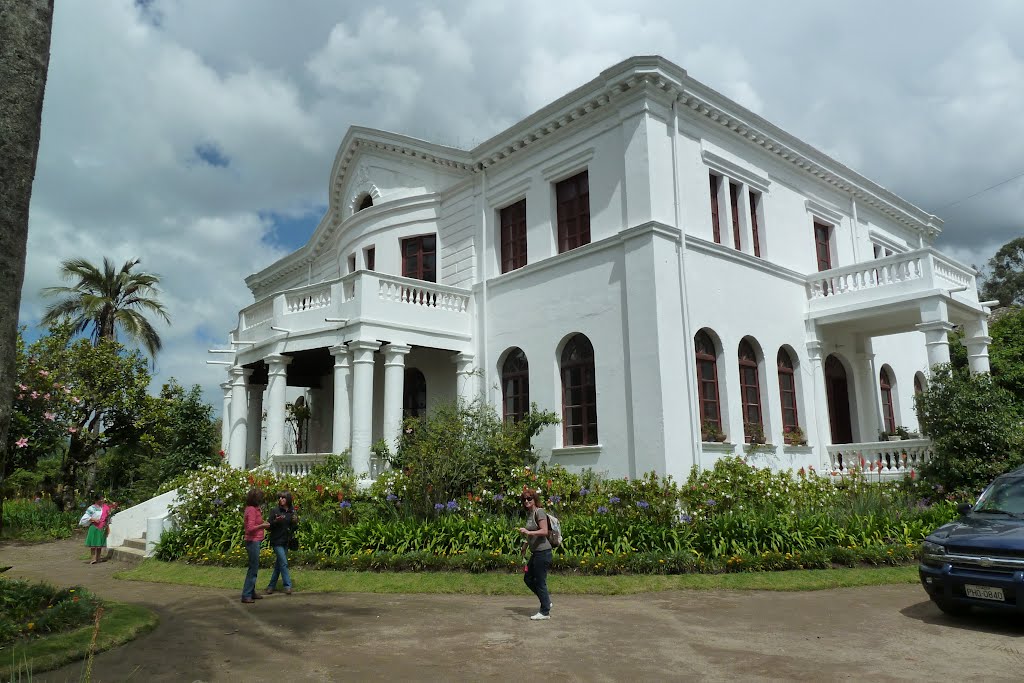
x=971 y=196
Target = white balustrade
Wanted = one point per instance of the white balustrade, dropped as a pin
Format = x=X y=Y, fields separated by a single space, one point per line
x=296 y=464
x=868 y=275
x=258 y=314
x=307 y=299
x=882 y=459
x=420 y=293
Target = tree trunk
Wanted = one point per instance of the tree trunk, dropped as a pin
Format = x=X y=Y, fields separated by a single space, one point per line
x=24 y=58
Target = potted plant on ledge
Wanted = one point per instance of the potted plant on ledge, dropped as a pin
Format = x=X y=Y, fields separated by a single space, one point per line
x=794 y=436
x=754 y=432
x=710 y=433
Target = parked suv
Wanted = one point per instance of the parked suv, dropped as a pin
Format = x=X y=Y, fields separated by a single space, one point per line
x=978 y=560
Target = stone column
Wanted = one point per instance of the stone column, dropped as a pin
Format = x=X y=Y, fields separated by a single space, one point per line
x=277 y=384
x=977 y=341
x=466 y=388
x=362 y=403
x=239 y=415
x=868 y=391
x=254 y=422
x=936 y=339
x=822 y=425
x=341 y=436
x=225 y=417
x=394 y=388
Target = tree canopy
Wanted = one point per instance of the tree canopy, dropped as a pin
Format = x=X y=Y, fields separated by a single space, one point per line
x=1005 y=280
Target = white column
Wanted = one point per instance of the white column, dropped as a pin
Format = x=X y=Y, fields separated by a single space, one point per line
x=341 y=436
x=239 y=415
x=254 y=423
x=821 y=415
x=225 y=417
x=936 y=340
x=394 y=388
x=277 y=384
x=362 y=403
x=977 y=341
x=869 y=391
x=465 y=377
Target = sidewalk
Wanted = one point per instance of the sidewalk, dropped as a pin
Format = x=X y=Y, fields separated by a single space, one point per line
x=879 y=634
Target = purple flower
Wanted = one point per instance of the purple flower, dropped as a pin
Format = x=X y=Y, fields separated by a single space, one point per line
x=614 y=499
x=391 y=498
x=555 y=499
x=642 y=504
x=498 y=497
x=218 y=502
x=601 y=510
x=710 y=502
x=344 y=504
x=452 y=506
x=439 y=506
x=685 y=519
x=584 y=491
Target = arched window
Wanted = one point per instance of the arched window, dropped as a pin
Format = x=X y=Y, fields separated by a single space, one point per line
x=918 y=384
x=579 y=393
x=515 y=386
x=750 y=391
x=885 y=385
x=365 y=203
x=414 y=396
x=707 y=385
x=787 y=392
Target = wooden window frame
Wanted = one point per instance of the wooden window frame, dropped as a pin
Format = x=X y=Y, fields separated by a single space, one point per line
x=572 y=209
x=823 y=230
x=734 y=204
x=751 y=408
x=512 y=235
x=755 y=200
x=579 y=392
x=885 y=391
x=787 y=388
x=515 y=386
x=716 y=219
x=417 y=269
x=707 y=359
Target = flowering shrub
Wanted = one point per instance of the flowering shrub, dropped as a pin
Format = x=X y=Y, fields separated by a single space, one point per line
x=33 y=609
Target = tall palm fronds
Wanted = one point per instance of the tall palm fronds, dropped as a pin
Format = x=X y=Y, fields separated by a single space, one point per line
x=108 y=300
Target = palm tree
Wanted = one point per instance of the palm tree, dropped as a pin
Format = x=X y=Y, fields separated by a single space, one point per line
x=108 y=300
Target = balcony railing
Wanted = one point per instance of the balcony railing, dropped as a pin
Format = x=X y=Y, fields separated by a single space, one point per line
x=882 y=459
x=919 y=270
x=302 y=464
x=365 y=295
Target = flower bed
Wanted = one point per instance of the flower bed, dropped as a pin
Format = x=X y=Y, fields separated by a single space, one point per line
x=35 y=609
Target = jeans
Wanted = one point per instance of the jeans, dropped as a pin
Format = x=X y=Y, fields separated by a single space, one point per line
x=536 y=578
x=280 y=568
x=253 y=550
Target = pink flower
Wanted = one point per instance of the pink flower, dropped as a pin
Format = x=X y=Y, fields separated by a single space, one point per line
x=50 y=416
x=44 y=373
x=76 y=400
x=22 y=442
x=72 y=430
x=46 y=396
x=23 y=387
x=21 y=396
x=67 y=390
x=34 y=394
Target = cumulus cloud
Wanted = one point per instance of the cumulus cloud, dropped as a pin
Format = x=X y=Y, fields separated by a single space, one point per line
x=199 y=136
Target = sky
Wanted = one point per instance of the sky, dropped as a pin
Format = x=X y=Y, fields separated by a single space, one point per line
x=199 y=136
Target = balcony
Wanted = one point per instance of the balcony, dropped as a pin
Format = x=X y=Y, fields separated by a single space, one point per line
x=895 y=283
x=879 y=461
x=372 y=300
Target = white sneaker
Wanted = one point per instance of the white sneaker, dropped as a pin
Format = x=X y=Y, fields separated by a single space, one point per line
x=540 y=617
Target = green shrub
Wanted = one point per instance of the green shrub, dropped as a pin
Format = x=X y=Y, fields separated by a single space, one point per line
x=38 y=520
x=33 y=609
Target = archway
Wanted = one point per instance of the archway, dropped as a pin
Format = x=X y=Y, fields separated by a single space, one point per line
x=837 y=390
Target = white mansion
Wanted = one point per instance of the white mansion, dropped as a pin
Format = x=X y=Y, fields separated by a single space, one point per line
x=669 y=272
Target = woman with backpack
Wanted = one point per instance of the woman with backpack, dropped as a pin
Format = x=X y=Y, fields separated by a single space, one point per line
x=283 y=522
x=536 y=537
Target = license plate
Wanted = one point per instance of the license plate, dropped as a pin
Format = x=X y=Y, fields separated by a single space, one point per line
x=984 y=592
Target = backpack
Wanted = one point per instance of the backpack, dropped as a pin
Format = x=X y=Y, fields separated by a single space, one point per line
x=554 y=530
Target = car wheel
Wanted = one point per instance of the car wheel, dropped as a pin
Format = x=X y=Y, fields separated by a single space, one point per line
x=953 y=609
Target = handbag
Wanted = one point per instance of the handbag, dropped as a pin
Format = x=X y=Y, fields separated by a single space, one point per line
x=293 y=543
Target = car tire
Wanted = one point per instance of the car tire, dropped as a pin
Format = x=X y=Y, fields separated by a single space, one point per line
x=953 y=609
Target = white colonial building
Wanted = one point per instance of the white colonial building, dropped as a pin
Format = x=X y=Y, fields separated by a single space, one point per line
x=672 y=274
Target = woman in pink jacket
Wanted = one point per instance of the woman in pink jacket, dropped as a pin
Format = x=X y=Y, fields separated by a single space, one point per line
x=254 y=526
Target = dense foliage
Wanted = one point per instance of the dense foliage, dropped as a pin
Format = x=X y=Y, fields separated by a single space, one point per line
x=975 y=427
x=38 y=519
x=733 y=517
x=34 y=609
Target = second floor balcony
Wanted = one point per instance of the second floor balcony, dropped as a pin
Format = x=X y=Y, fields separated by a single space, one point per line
x=366 y=298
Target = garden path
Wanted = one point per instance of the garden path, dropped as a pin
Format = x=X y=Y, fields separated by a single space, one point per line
x=889 y=633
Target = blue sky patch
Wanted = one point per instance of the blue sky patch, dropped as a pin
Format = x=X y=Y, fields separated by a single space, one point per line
x=211 y=154
x=292 y=230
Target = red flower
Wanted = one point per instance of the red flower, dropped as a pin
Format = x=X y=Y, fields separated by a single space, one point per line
x=341 y=495
x=319 y=488
x=913 y=474
x=221 y=453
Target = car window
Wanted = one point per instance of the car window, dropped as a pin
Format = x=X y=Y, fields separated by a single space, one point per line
x=1006 y=495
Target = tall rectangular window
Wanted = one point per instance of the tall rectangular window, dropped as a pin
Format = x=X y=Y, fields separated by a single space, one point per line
x=351 y=263
x=716 y=227
x=572 y=197
x=371 y=258
x=822 y=233
x=734 y=201
x=755 y=200
x=419 y=258
x=513 y=236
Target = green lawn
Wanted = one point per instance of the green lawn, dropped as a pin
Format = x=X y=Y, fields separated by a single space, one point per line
x=322 y=581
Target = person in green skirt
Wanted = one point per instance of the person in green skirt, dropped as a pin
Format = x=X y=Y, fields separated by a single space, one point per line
x=96 y=539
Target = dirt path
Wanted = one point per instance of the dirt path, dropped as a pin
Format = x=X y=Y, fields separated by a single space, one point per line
x=890 y=633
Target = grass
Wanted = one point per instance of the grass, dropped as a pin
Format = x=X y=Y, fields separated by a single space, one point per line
x=322 y=581
x=119 y=624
